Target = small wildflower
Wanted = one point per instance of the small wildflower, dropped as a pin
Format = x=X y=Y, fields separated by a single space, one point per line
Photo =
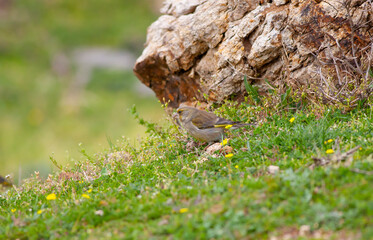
x=99 y=212
x=330 y=140
x=292 y=119
x=229 y=155
x=360 y=148
x=224 y=142
x=183 y=210
x=80 y=182
x=85 y=196
x=228 y=126
x=236 y=166
x=51 y=196
x=329 y=151
x=40 y=211
x=89 y=190
x=325 y=142
x=13 y=210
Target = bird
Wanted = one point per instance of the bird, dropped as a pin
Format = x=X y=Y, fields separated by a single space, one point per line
x=5 y=182
x=205 y=126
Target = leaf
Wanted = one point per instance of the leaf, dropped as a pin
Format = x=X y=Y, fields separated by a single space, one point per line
x=54 y=161
x=252 y=91
x=111 y=145
x=104 y=172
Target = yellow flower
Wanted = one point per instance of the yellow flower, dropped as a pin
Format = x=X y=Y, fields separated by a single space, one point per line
x=80 y=181
x=89 y=190
x=183 y=210
x=360 y=148
x=40 y=211
x=224 y=142
x=228 y=126
x=292 y=119
x=330 y=140
x=329 y=151
x=51 y=196
x=13 y=210
x=85 y=196
x=236 y=166
x=229 y=155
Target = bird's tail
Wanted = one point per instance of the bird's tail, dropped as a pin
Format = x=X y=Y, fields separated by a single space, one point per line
x=239 y=125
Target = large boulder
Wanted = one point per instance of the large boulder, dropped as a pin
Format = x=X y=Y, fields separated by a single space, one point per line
x=203 y=48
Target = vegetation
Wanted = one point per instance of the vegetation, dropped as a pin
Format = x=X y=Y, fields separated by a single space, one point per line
x=168 y=187
x=34 y=121
x=303 y=172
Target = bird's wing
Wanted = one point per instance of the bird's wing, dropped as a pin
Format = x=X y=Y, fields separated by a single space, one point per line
x=222 y=122
x=205 y=120
x=210 y=120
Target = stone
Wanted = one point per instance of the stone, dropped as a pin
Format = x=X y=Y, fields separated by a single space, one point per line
x=280 y=2
x=200 y=50
x=273 y=169
x=213 y=148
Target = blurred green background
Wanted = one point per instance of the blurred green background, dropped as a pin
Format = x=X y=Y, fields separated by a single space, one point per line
x=43 y=109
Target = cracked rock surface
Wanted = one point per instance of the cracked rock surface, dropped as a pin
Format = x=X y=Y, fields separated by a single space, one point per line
x=206 y=47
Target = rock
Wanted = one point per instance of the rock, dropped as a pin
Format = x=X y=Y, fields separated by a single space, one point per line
x=179 y=7
x=213 y=148
x=273 y=169
x=226 y=150
x=280 y=2
x=304 y=230
x=205 y=47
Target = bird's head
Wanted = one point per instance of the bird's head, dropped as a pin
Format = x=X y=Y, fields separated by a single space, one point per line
x=185 y=113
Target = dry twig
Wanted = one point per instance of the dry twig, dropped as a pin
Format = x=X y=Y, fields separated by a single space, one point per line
x=336 y=158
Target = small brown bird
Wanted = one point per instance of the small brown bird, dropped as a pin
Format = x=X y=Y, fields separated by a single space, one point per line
x=205 y=126
x=5 y=182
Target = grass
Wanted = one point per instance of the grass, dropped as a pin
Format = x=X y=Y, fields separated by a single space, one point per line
x=160 y=186
x=164 y=187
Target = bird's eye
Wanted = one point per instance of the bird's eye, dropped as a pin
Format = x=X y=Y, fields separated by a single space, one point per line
x=179 y=111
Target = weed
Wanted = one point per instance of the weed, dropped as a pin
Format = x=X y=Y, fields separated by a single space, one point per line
x=172 y=190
